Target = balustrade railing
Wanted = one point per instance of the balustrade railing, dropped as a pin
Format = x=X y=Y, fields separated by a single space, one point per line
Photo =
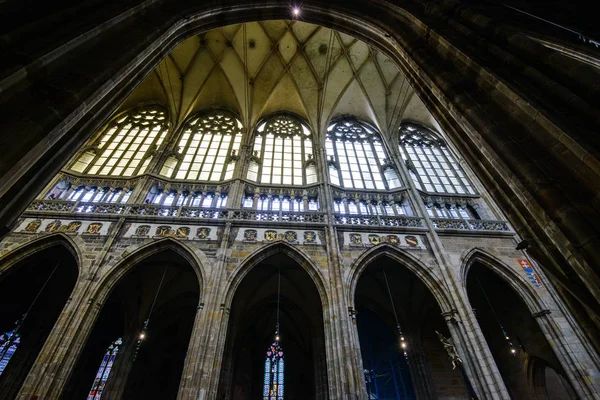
x=155 y=210
x=470 y=224
x=378 y=220
x=246 y=214
x=277 y=216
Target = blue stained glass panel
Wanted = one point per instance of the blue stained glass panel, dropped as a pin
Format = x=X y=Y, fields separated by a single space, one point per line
x=9 y=342
x=104 y=370
x=273 y=389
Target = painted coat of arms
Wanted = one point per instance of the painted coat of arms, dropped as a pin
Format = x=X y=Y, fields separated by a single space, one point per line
x=355 y=238
x=250 y=235
x=270 y=236
x=33 y=226
x=374 y=239
x=412 y=241
x=290 y=236
x=94 y=228
x=203 y=233
x=142 y=230
x=310 y=237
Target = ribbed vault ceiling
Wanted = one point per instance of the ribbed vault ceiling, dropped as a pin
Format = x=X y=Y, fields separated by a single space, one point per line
x=258 y=68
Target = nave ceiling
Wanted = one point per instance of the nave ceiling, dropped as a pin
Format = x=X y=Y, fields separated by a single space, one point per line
x=285 y=66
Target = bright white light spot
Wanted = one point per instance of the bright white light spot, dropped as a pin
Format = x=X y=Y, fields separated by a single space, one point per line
x=142 y=336
x=296 y=11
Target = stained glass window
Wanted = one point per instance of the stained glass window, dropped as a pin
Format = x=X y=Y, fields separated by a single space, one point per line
x=208 y=147
x=125 y=148
x=357 y=157
x=273 y=384
x=432 y=166
x=9 y=342
x=104 y=370
x=283 y=153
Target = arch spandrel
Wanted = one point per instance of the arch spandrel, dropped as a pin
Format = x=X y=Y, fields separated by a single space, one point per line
x=263 y=253
x=406 y=260
x=516 y=281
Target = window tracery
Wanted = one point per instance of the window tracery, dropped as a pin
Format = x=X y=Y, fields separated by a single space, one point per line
x=208 y=147
x=104 y=370
x=9 y=343
x=431 y=165
x=283 y=153
x=357 y=158
x=273 y=380
x=126 y=146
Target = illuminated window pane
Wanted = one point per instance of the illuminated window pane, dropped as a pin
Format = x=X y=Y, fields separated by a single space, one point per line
x=125 y=142
x=284 y=146
x=358 y=152
x=206 y=144
x=104 y=370
x=9 y=343
x=441 y=173
x=273 y=384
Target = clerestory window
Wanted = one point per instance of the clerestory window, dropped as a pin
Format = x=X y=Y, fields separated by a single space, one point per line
x=357 y=158
x=126 y=146
x=207 y=148
x=283 y=153
x=431 y=165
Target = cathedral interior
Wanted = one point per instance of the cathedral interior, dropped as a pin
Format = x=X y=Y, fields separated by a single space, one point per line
x=394 y=199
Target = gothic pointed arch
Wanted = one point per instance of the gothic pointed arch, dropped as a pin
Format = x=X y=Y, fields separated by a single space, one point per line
x=513 y=320
x=508 y=274
x=136 y=255
x=149 y=300
x=15 y=255
x=36 y=281
x=274 y=300
x=269 y=250
x=399 y=305
x=413 y=264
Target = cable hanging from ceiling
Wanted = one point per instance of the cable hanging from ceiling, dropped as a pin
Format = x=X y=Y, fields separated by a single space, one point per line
x=144 y=331
x=403 y=344
x=511 y=346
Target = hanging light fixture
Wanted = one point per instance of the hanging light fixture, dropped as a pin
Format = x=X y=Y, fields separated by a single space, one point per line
x=144 y=331
x=278 y=301
x=403 y=343
x=511 y=346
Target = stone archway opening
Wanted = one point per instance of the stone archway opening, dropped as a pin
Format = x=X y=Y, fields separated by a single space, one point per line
x=33 y=293
x=251 y=331
x=426 y=371
x=151 y=368
x=524 y=357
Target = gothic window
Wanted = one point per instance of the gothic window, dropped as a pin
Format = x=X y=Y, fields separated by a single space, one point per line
x=126 y=146
x=283 y=153
x=208 y=147
x=357 y=157
x=104 y=370
x=91 y=195
x=431 y=164
x=9 y=342
x=273 y=382
x=186 y=199
x=452 y=212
